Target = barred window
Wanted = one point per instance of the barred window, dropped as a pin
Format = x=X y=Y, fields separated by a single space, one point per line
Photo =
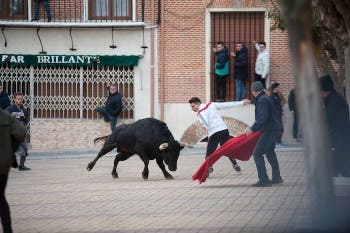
x=14 y=9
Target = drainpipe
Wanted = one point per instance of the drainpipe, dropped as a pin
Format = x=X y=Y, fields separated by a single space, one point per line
x=152 y=59
x=162 y=58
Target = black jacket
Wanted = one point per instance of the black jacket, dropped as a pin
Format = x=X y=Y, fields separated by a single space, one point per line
x=19 y=113
x=266 y=115
x=4 y=100
x=241 y=64
x=337 y=117
x=114 y=104
x=222 y=58
x=292 y=101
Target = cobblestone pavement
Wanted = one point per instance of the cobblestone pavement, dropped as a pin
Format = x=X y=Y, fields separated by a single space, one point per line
x=60 y=195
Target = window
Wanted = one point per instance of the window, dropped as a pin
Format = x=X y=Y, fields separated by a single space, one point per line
x=110 y=9
x=13 y=9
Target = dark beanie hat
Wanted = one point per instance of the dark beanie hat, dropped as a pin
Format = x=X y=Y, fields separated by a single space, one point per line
x=326 y=83
x=257 y=86
x=274 y=86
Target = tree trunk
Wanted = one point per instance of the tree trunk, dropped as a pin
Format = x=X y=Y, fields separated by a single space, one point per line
x=297 y=16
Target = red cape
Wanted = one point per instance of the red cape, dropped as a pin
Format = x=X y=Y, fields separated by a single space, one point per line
x=240 y=147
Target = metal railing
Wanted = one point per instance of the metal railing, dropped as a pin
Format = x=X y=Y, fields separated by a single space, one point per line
x=68 y=11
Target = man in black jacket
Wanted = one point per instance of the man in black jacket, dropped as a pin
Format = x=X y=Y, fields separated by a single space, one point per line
x=241 y=70
x=112 y=107
x=4 y=99
x=338 y=123
x=18 y=110
x=269 y=123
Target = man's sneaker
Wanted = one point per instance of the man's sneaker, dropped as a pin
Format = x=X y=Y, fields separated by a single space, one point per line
x=23 y=168
x=277 y=180
x=236 y=167
x=210 y=170
x=261 y=183
x=280 y=145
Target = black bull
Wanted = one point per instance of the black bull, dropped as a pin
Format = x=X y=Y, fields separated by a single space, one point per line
x=149 y=138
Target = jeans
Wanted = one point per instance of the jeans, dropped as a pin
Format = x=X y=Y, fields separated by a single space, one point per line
x=295 y=124
x=266 y=145
x=240 y=90
x=220 y=82
x=258 y=77
x=218 y=138
x=112 y=119
x=47 y=9
x=4 y=207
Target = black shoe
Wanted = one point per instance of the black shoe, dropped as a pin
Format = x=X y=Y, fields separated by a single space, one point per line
x=211 y=169
x=277 y=180
x=49 y=20
x=35 y=20
x=23 y=168
x=236 y=167
x=261 y=183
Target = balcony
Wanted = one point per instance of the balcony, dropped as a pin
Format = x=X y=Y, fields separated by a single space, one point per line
x=56 y=13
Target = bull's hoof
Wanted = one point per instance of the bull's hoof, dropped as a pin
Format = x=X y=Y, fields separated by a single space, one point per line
x=145 y=175
x=90 y=166
x=169 y=177
x=114 y=174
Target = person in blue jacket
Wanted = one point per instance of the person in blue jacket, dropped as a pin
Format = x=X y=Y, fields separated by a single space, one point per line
x=222 y=69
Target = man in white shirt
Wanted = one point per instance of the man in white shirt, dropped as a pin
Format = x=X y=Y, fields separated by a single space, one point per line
x=262 y=64
x=211 y=119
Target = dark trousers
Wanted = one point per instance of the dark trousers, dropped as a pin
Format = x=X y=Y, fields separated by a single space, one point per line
x=46 y=6
x=4 y=207
x=218 y=138
x=295 y=124
x=220 y=86
x=112 y=120
x=266 y=145
x=258 y=77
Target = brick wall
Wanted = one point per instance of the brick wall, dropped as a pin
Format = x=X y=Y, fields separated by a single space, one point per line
x=184 y=49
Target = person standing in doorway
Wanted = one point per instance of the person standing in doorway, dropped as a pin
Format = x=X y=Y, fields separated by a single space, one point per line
x=262 y=64
x=11 y=132
x=210 y=118
x=36 y=10
x=241 y=70
x=4 y=99
x=268 y=122
x=112 y=108
x=222 y=69
x=18 y=110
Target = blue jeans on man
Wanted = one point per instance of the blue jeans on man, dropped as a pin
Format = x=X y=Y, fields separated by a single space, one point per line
x=47 y=10
x=108 y=118
x=240 y=89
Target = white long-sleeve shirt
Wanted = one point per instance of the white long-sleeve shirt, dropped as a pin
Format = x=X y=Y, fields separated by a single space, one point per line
x=262 y=63
x=210 y=117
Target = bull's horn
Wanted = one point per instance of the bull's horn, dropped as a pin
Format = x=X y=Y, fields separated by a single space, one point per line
x=163 y=146
x=184 y=144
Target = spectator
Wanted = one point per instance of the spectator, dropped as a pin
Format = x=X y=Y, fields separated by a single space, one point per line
x=210 y=118
x=11 y=131
x=262 y=64
x=20 y=112
x=241 y=70
x=279 y=101
x=112 y=108
x=222 y=69
x=337 y=119
x=4 y=99
x=268 y=122
x=36 y=9
x=292 y=105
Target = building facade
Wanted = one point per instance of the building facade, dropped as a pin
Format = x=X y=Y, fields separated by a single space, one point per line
x=159 y=52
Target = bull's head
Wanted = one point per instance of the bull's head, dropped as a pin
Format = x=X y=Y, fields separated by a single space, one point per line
x=171 y=152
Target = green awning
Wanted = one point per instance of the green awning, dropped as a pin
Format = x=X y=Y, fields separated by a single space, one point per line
x=68 y=60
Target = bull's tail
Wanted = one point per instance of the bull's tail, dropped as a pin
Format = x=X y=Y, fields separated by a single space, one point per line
x=100 y=139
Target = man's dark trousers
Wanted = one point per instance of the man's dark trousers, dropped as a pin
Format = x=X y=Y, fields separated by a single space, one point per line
x=4 y=207
x=266 y=145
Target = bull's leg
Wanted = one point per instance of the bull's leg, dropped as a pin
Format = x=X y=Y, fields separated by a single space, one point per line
x=118 y=157
x=105 y=149
x=162 y=167
x=145 y=171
